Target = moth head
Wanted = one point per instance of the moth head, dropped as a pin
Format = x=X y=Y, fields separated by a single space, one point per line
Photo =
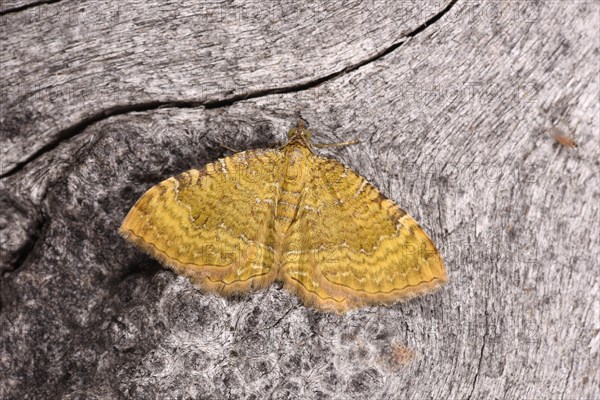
x=300 y=131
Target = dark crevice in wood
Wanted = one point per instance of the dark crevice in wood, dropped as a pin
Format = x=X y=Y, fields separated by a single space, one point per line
x=562 y=395
x=26 y=6
x=147 y=268
x=23 y=255
x=432 y=20
x=80 y=126
x=485 y=335
x=281 y=318
x=316 y=82
x=28 y=246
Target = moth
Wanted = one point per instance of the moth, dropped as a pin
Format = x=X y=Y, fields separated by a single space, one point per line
x=289 y=215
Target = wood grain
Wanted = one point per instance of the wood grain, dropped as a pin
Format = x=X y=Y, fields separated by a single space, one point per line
x=101 y=101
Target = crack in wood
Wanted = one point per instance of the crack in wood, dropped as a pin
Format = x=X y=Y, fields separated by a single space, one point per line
x=485 y=335
x=79 y=127
x=29 y=245
x=562 y=395
x=24 y=7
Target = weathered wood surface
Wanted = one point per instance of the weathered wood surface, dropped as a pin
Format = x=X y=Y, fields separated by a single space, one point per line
x=100 y=101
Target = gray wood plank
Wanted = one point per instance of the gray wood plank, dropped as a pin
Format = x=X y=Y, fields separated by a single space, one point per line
x=454 y=125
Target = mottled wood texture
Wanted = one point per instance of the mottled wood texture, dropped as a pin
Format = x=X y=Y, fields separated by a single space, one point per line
x=102 y=100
